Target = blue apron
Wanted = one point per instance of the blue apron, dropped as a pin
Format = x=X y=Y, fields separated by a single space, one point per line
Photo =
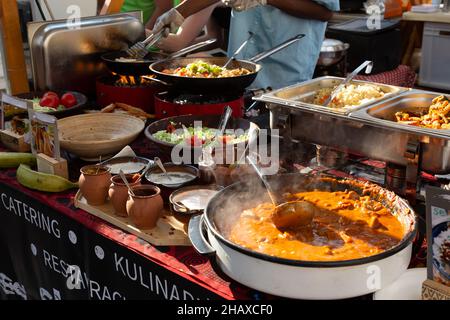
x=271 y=27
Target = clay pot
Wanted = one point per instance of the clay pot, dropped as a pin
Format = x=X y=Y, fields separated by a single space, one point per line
x=118 y=193
x=94 y=183
x=145 y=207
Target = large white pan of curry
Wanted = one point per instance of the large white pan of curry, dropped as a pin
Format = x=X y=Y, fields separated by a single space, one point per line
x=359 y=241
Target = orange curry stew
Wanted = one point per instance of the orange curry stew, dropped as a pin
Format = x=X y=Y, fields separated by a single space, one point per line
x=345 y=226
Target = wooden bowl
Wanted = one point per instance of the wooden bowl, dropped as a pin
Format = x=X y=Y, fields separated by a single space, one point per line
x=90 y=136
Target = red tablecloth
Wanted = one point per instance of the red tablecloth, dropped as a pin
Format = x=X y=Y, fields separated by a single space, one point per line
x=183 y=261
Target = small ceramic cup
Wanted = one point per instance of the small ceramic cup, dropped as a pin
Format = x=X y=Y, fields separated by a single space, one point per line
x=145 y=207
x=118 y=193
x=94 y=183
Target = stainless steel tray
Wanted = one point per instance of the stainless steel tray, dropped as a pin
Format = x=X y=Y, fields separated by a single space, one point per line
x=383 y=113
x=370 y=131
x=301 y=95
x=68 y=58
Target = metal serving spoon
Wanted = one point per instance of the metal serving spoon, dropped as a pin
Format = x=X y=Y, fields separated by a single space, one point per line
x=227 y=111
x=161 y=166
x=251 y=34
x=122 y=175
x=366 y=64
x=149 y=165
x=287 y=214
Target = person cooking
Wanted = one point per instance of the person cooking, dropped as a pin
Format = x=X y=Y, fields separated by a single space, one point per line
x=190 y=31
x=151 y=9
x=272 y=22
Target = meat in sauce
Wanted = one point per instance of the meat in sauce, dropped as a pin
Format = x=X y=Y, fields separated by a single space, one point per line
x=345 y=226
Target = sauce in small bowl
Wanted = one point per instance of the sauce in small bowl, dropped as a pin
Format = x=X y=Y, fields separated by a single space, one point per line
x=177 y=176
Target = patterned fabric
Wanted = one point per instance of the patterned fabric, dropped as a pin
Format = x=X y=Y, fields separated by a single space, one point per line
x=184 y=261
x=402 y=76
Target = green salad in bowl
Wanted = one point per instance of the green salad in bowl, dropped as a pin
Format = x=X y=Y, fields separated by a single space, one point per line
x=196 y=136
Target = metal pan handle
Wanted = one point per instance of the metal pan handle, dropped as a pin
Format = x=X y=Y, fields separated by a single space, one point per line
x=281 y=46
x=189 y=49
x=157 y=80
x=196 y=234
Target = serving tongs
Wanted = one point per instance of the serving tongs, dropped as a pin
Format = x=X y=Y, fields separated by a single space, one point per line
x=139 y=50
x=366 y=64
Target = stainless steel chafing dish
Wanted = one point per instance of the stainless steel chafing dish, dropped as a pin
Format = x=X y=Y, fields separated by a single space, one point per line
x=302 y=95
x=369 y=130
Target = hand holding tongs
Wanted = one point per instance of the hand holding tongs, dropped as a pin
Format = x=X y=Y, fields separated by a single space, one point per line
x=366 y=64
x=139 y=50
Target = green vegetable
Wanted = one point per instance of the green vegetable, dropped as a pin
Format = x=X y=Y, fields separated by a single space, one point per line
x=201 y=133
x=37 y=107
x=14 y=159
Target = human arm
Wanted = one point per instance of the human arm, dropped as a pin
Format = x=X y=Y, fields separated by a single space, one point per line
x=189 y=7
x=303 y=9
x=189 y=31
x=161 y=7
x=176 y=16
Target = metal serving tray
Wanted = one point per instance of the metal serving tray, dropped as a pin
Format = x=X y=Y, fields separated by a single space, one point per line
x=383 y=113
x=302 y=95
x=66 y=57
x=370 y=131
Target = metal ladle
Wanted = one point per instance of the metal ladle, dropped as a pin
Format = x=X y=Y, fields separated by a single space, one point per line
x=366 y=64
x=287 y=214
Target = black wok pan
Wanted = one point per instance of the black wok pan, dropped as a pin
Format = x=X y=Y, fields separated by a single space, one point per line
x=237 y=84
x=141 y=67
x=132 y=68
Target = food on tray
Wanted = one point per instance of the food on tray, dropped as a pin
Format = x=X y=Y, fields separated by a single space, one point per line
x=345 y=226
x=95 y=170
x=127 y=109
x=201 y=69
x=350 y=96
x=196 y=136
x=126 y=167
x=436 y=117
x=170 y=178
x=51 y=102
